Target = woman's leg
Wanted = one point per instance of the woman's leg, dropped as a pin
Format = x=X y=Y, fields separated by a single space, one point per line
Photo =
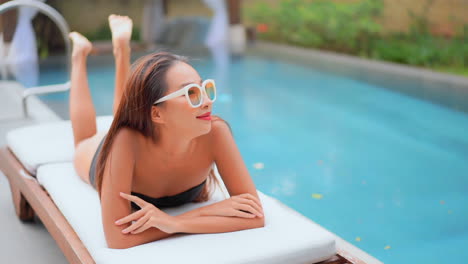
x=121 y=27
x=82 y=113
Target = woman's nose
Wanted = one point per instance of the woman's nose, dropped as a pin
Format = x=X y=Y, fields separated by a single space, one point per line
x=206 y=101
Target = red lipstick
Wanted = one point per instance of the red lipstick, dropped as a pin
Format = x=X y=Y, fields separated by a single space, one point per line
x=205 y=116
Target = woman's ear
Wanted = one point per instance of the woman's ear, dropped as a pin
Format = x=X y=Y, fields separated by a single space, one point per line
x=157 y=115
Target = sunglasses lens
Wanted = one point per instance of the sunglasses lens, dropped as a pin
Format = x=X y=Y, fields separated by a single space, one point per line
x=194 y=96
x=210 y=89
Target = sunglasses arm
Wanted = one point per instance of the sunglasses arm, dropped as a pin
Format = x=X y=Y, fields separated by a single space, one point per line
x=172 y=95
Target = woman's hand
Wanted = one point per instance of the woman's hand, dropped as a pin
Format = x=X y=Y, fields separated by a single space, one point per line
x=148 y=216
x=244 y=205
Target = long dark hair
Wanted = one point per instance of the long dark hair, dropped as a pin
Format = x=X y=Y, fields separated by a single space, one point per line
x=145 y=85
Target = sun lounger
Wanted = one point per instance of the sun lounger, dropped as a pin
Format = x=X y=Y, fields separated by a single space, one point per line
x=46 y=143
x=38 y=163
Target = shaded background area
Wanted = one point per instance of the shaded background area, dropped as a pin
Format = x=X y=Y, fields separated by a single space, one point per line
x=424 y=33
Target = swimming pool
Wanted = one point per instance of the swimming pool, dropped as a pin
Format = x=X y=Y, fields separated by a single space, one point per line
x=385 y=171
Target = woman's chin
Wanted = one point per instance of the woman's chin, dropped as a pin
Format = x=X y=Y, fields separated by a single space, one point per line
x=205 y=129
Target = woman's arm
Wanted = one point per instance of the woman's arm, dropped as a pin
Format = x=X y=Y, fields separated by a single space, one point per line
x=118 y=178
x=230 y=164
x=238 y=183
x=216 y=224
x=215 y=218
x=237 y=180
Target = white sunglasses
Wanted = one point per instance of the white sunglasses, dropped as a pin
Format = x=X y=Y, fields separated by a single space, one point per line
x=193 y=93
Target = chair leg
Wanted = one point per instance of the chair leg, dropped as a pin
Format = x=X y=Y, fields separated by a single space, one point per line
x=24 y=211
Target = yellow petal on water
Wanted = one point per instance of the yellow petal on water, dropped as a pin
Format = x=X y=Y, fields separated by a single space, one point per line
x=442 y=202
x=387 y=247
x=450 y=211
x=317 y=196
x=259 y=166
x=320 y=162
x=358 y=239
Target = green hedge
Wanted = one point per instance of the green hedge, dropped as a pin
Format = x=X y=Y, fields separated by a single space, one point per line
x=425 y=51
x=353 y=28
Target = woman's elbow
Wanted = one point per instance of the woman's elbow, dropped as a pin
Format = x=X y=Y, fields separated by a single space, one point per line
x=259 y=222
x=262 y=222
x=118 y=244
x=121 y=241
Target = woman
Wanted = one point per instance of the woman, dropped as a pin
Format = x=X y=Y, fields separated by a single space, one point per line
x=162 y=143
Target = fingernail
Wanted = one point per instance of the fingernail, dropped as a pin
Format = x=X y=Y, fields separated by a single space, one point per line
x=124 y=231
x=117 y=222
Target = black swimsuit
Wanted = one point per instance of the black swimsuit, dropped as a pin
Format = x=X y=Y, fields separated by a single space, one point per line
x=166 y=201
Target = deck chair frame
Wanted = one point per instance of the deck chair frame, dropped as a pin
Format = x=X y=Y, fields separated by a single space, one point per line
x=30 y=199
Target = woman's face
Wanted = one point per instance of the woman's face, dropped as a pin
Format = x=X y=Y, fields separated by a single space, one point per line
x=177 y=112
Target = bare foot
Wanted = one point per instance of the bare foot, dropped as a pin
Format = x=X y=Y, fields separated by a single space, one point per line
x=121 y=28
x=81 y=45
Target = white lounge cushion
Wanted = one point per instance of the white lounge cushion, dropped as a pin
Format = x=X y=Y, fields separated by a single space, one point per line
x=287 y=237
x=46 y=143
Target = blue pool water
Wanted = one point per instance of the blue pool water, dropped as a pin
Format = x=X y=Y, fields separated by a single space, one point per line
x=384 y=171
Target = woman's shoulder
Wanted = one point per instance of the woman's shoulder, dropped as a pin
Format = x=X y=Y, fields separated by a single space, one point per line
x=219 y=127
x=127 y=139
x=219 y=130
x=126 y=134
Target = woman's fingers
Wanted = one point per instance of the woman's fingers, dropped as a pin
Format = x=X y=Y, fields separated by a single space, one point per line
x=130 y=217
x=249 y=208
x=140 y=202
x=251 y=197
x=137 y=224
x=243 y=214
x=251 y=203
x=142 y=228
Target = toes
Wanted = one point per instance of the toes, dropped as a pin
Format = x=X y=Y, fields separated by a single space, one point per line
x=118 y=19
x=79 y=41
x=72 y=34
x=76 y=37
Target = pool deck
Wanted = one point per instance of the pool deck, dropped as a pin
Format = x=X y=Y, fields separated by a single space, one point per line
x=22 y=242
x=31 y=242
